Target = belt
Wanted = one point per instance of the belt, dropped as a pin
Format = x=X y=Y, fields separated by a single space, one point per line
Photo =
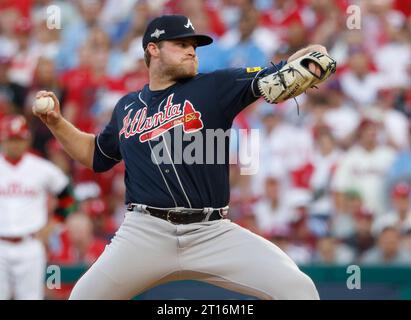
x=181 y=215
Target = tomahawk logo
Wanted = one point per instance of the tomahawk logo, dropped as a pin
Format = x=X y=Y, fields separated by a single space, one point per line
x=189 y=24
x=172 y=116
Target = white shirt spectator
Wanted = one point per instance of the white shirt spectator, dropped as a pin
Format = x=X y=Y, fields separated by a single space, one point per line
x=299 y=254
x=391 y=219
x=8 y=47
x=342 y=121
x=321 y=180
x=362 y=91
x=269 y=218
x=284 y=149
x=294 y=146
x=342 y=225
x=384 y=57
x=365 y=171
x=47 y=50
x=396 y=128
x=22 y=67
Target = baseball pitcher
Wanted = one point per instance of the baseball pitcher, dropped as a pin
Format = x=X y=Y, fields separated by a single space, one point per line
x=177 y=225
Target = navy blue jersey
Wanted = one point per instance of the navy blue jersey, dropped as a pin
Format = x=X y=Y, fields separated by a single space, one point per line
x=146 y=126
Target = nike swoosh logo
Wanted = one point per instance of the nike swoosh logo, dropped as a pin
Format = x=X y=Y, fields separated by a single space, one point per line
x=129 y=105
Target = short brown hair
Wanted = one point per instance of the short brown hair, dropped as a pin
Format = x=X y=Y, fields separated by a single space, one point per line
x=147 y=55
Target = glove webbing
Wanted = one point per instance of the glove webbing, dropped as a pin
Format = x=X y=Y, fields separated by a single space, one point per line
x=281 y=76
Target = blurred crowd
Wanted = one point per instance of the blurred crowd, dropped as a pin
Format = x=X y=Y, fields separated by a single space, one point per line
x=334 y=181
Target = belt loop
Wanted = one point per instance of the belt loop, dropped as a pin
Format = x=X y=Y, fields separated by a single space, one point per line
x=208 y=212
x=142 y=207
x=223 y=212
x=137 y=207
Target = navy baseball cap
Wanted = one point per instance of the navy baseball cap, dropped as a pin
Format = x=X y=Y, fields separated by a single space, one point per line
x=169 y=27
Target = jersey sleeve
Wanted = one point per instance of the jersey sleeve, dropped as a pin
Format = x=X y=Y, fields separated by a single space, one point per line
x=66 y=203
x=237 y=88
x=107 y=150
x=55 y=179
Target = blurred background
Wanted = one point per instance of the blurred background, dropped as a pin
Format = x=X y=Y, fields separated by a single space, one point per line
x=334 y=183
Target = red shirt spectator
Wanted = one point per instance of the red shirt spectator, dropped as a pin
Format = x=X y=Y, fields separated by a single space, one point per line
x=76 y=243
x=403 y=6
x=22 y=6
x=82 y=87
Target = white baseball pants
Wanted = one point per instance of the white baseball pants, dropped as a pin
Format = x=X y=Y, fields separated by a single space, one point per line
x=22 y=270
x=147 y=251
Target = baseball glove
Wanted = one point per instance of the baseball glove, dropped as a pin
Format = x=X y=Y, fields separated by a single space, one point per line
x=295 y=77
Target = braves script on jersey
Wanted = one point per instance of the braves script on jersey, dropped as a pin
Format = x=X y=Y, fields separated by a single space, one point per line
x=204 y=102
x=150 y=127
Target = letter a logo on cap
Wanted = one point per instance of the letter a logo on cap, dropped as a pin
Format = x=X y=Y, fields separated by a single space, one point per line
x=189 y=24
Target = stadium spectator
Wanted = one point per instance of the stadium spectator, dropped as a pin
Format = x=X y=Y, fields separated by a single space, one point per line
x=359 y=83
x=24 y=62
x=324 y=161
x=44 y=77
x=364 y=168
x=362 y=238
x=400 y=170
x=394 y=124
x=388 y=250
x=12 y=95
x=348 y=205
x=301 y=254
x=246 y=45
x=339 y=116
x=330 y=251
x=271 y=210
x=77 y=243
x=75 y=34
x=400 y=196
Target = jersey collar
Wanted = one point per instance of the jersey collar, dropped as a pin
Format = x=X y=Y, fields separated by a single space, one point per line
x=12 y=161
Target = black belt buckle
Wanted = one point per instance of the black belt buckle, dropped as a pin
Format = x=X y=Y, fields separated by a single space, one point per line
x=176 y=213
x=181 y=216
x=168 y=215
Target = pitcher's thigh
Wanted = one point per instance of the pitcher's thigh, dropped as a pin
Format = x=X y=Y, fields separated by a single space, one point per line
x=98 y=284
x=127 y=267
x=240 y=260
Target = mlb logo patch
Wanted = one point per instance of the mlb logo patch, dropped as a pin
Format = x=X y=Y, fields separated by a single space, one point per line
x=253 y=69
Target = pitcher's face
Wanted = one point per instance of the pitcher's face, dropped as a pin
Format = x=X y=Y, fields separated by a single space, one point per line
x=178 y=58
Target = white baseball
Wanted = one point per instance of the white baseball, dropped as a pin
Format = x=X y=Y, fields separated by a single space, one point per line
x=43 y=104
